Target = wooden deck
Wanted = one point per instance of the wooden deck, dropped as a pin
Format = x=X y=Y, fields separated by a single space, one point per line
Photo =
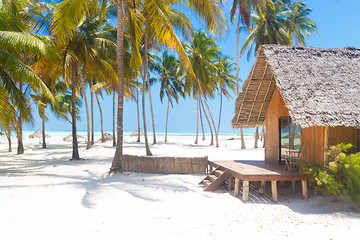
x=261 y=171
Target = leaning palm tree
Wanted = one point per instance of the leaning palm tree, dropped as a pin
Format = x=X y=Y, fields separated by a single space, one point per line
x=169 y=75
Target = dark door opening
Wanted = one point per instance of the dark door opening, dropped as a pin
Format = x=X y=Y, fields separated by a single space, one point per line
x=289 y=138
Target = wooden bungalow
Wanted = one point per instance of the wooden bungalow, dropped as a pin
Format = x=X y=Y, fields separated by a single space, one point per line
x=305 y=97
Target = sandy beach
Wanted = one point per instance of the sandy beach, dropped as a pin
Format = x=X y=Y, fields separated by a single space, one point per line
x=43 y=195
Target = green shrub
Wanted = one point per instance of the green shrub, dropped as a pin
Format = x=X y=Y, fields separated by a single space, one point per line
x=340 y=174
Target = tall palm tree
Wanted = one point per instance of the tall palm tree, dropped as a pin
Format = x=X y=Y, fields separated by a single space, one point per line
x=78 y=30
x=243 y=8
x=225 y=67
x=203 y=51
x=301 y=25
x=269 y=27
x=116 y=163
x=18 y=46
x=169 y=76
x=278 y=25
x=208 y=10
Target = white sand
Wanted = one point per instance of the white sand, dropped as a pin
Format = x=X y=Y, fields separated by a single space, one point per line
x=45 y=196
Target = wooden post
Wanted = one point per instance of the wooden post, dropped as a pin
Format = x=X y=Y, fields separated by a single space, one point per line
x=262 y=187
x=230 y=182
x=293 y=185
x=237 y=187
x=245 y=190
x=274 y=191
x=304 y=189
x=326 y=142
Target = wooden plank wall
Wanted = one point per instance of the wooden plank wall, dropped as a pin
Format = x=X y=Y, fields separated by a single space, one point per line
x=165 y=165
x=276 y=109
x=313 y=140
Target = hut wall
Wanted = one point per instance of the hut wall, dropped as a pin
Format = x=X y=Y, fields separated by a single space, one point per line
x=343 y=134
x=313 y=138
x=276 y=109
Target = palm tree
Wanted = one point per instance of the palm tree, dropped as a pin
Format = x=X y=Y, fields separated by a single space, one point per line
x=116 y=163
x=243 y=9
x=18 y=46
x=79 y=34
x=92 y=111
x=270 y=27
x=169 y=74
x=224 y=66
x=278 y=25
x=301 y=25
x=208 y=10
x=202 y=51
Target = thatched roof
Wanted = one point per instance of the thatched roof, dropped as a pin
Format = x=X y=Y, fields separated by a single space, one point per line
x=69 y=138
x=38 y=134
x=320 y=87
x=107 y=137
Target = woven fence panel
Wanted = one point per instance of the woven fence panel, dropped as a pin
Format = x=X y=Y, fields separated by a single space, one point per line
x=165 y=165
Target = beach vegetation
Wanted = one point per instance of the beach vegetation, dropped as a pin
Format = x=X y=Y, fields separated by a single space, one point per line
x=340 y=174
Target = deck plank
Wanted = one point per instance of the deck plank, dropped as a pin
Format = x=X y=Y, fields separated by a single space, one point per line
x=258 y=171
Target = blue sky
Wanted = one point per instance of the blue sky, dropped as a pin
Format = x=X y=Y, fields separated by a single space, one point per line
x=338 y=23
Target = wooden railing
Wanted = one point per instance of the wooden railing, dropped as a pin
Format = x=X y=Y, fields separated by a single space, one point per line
x=165 y=165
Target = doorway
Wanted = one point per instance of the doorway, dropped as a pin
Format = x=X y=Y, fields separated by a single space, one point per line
x=289 y=138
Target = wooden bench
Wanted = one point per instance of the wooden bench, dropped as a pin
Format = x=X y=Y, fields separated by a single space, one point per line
x=260 y=171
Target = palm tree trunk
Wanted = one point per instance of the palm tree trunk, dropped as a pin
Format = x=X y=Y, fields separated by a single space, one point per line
x=256 y=136
x=88 y=144
x=117 y=161
x=167 y=118
x=263 y=135
x=220 y=111
x=75 y=153
x=147 y=147
x=8 y=136
x=114 y=138
x=237 y=73
x=20 y=149
x=237 y=54
x=197 y=119
x=242 y=139
x=202 y=126
x=101 y=118
x=151 y=109
x=213 y=123
x=138 y=114
x=43 y=133
x=207 y=118
x=92 y=112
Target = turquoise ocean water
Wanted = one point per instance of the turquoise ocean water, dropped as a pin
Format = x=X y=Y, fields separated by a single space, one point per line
x=59 y=135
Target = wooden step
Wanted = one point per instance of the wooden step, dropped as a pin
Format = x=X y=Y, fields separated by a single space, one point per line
x=214 y=179
x=206 y=182
x=218 y=172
